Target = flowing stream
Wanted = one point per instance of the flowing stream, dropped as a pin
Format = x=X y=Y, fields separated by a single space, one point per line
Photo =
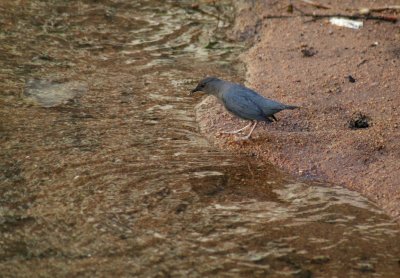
x=104 y=172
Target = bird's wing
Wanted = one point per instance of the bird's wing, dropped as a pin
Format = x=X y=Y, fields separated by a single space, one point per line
x=242 y=105
x=268 y=106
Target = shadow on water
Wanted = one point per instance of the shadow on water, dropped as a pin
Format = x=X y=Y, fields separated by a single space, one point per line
x=104 y=172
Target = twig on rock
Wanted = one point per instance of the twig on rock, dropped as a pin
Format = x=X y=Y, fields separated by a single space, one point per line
x=316 y=16
x=315 y=4
x=386 y=8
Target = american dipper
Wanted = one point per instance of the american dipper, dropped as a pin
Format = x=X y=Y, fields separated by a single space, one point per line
x=242 y=102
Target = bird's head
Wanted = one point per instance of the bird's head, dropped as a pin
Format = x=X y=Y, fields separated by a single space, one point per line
x=208 y=85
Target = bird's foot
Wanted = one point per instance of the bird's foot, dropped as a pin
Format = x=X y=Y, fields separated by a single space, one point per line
x=242 y=138
x=247 y=137
x=230 y=132
x=237 y=131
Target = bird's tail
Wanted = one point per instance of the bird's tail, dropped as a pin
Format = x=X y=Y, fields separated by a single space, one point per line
x=291 y=107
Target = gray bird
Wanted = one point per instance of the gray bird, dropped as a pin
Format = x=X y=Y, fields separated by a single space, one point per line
x=242 y=102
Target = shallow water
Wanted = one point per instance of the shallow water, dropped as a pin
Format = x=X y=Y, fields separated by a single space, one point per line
x=104 y=172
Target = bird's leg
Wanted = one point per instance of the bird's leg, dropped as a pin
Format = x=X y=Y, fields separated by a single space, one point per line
x=251 y=131
x=239 y=130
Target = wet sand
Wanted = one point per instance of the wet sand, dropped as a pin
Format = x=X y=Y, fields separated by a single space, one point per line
x=308 y=62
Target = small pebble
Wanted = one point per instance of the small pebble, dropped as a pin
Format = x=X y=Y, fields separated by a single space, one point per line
x=351 y=79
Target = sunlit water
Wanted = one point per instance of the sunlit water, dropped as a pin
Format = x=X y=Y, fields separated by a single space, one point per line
x=104 y=172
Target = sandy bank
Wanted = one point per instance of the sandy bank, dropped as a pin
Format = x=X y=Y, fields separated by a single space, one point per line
x=300 y=61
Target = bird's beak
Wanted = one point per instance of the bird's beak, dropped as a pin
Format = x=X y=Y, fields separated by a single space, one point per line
x=197 y=89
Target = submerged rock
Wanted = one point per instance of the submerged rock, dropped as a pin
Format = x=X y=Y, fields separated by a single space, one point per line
x=48 y=93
